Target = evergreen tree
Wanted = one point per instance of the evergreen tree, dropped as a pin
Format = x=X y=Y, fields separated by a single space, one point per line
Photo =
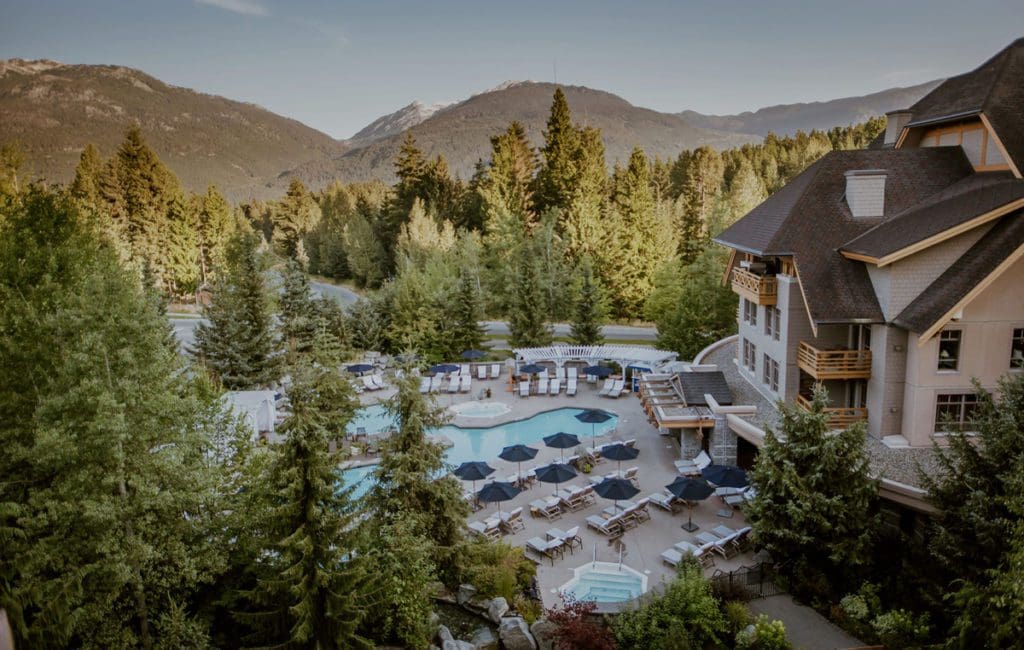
x=528 y=311
x=12 y=159
x=181 y=259
x=310 y=584
x=556 y=178
x=814 y=499
x=236 y=343
x=296 y=215
x=107 y=438
x=366 y=325
x=508 y=177
x=298 y=313
x=421 y=237
x=701 y=184
x=440 y=191
x=590 y=310
x=216 y=226
x=467 y=311
x=86 y=186
x=583 y=225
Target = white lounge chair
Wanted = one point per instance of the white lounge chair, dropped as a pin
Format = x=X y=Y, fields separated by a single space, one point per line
x=694 y=466
x=435 y=383
x=617 y=388
x=604 y=526
x=542 y=386
x=666 y=502
x=368 y=383
x=607 y=388
x=524 y=388
x=549 y=548
x=481 y=372
x=560 y=373
x=547 y=508
x=466 y=384
x=464 y=369
x=425 y=385
x=495 y=370
x=570 y=387
x=555 y=387
x=378 y=381
x=491 y=528
x=570 y=538
x=512 y=521
x=454 y=383
x=573 y=373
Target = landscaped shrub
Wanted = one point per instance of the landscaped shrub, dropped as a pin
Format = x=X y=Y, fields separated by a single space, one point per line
x=766 y=634
x=497 y=569
x=901 y=629
x=528 y=608
x=576 y=629
x=737 y=616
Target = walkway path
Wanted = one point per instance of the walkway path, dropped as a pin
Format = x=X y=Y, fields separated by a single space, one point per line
x=805 y=627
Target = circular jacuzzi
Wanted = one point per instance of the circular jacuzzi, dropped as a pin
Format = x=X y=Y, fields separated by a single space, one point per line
x=480 y=409
x=604 y=582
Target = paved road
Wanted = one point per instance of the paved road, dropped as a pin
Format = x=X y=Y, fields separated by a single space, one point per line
x=342 y=294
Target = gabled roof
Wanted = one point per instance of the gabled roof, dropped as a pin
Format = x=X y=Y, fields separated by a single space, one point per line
x=994 y=89
x=696 y=384
x=963 y=204
x=810 y=220
x=979 y=262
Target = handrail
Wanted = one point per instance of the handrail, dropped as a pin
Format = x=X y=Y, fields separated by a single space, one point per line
x=838 y=416
x=762 y=289
x=833 y=364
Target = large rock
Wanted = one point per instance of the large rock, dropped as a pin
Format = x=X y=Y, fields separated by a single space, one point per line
x=497 y=609
x=444 y=634
x=466 y=593
x=543 y=632
x=457 y=645
x=483 y=639
x=515 y=635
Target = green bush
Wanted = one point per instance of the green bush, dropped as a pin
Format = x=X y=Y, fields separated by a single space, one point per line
x=528 y=608
x=764 y=635
x=901 y=629
x=497 y=569
x=737 y=616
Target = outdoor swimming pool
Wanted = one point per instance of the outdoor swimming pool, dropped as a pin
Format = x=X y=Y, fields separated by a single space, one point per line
x=481 y=443
x=605 y=582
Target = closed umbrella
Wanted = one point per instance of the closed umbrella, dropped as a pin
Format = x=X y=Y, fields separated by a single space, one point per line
x=615 y=489
x=517 y=454
x=619 y=452
x=555 y=473
x=496 y=492
x=725 y=475
x=561 y=440
x=594 y=417
x=442 y=368
x=690 y=489
x=473 y=354
x=474 y=471
x=359 y=368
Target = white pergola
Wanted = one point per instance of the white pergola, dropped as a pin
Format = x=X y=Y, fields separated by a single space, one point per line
x=625 y=355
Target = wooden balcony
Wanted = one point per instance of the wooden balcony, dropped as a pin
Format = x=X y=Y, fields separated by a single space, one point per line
x=839 y=417
x=759 y=289
x=833 y=364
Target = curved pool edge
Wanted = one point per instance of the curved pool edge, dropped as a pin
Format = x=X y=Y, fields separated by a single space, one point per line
x=613 y=606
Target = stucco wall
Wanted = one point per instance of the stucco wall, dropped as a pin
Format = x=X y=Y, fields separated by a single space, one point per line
x=888 y=376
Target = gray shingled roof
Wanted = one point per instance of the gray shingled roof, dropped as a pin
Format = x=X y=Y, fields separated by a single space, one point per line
x=696 y=384
x=810 y=219
x=995 y=88
x=971 y=197
x=964 y=274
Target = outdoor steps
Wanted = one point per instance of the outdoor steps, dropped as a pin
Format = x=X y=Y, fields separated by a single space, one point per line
x=601 y=577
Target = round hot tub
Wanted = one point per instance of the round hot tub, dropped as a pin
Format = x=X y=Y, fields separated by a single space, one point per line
x=604 y=582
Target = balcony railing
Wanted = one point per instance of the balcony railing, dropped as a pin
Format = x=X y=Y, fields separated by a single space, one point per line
x=833 y=364
x=839 y=417
x=760 y=289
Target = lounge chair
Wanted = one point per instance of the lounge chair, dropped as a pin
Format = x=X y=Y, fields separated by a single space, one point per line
x=737 y=500
x=572 y=373
x=435 y=383
x=604 y=526
x=631 y=443
x=694 y=466
x=549 y=548
x=466 y=384
x=570 y=387
x=617 y=388
x=481 y=372
x=425 y=385
x=512 y=521
x=571 y=500
x=642 y=513
x=524 y=388
x=624 y=506
x=631 y=475
x=607 y=388
x=464 y=369
x=495 y=370
x=367 y=384
x=721 y=544
x=547 y=508
x=686 y=548
x=378 y=381
x=555 y=387
x=542 y=386
x=664 y=501
x=490 y=529
x=570 y=539
x=454 y=383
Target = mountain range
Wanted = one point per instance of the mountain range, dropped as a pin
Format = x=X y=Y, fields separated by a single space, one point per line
x=53 y=110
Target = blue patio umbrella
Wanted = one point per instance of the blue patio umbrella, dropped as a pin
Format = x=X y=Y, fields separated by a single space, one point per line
x=597 y=371
x=517 y=454
x=690 y=489
x=359 y=368
x=496 y=492
x=531 y=369
x=561 y=440
x=473 y=354
x=724 y=475
x=473 y=470
x=593 y=416
x=555 y=473
x=619 y=452
x=442 y=368
x=615 y=489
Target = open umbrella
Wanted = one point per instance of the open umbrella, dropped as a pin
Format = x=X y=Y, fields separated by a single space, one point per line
x=561 y=440
x=615 y=489
x=442 y=367
x=619 y=452
x=593 y=416
x=724 y=475
x=517 y=454
x=597 y=371
x=496 y=492
x=689 y=490
x=473 y=354
x=359 y=368
x=531 y=369
x=473 y=470
x=555 y=473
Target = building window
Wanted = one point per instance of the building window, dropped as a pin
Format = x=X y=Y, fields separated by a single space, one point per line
x=1017 y=349
x=949 y=350
x=749 y=355
x=772 y=322
x=955 y=412
x=749 y=312
x=770 y=373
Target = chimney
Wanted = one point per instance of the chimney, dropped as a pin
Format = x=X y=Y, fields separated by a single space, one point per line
x=894 y=123
x=865 y=192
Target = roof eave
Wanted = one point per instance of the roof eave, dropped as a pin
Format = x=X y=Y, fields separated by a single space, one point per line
x=943 y=118
x=747 y=249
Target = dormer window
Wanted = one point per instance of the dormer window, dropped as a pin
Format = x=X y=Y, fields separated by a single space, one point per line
x=865 y=192
x=978 y=144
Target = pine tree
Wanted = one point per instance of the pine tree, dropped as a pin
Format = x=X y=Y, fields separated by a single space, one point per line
x=296 y=215
x=590 y=310
x=556 y=178
x=145 y=188
x=508 y=177
x=86 y=186
x=422 y=237
x=310 y=584
x=467 y=311
x=702 y=182
x=216 y=226
x=299 y=314
x=440 y=191
x=181 y=259
x=366 y=325
x=583 y=224
x=12 y=159
x=106 y=436
x=528 y=311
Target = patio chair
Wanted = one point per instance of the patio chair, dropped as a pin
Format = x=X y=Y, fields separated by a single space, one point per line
x=617 y=388
x=702 y=553
x=425 y=385
x=454 y=383
x=368 y=383
x=570 y=387
x=631 y=475
x=571 y=500
x=723 y=492
x=466 y=384
x=512 y=522
x=547 y=508
x=378 y=381
x=488 y=529
x=495 y=370
x=435 y=383
x=556 y=386
x=624 y=506
x=524 y=388
x=693 y=466
x=664 y=501
x=549 y=548
x=589 y=497
x=481 y=372
x=607 y=388
x=604 y=526
x=572 y=373
x=542 y=385
x=570 y=539
x=631 y=443
x=463 y=368
x=642 y=512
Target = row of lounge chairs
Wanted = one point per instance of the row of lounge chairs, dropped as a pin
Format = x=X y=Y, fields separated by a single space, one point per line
x=594 y=453
x=615 y=520
x=726 y=542
x=630 y=475
x=545 y=386
x=481 y=371
x=493 y=527
x=456 y=384
x=570 y=498
x=612 y=388
x=370 y=382
x=555 y=542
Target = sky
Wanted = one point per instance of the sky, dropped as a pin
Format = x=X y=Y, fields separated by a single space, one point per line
x=337 y=66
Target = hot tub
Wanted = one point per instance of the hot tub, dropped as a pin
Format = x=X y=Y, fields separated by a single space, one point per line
x=604 y=582
x=480 y=409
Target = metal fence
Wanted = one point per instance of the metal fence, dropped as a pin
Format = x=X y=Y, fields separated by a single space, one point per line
x=757 y=581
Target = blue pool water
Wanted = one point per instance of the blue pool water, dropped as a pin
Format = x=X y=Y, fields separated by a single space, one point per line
x=605 y=583
x=481 y=444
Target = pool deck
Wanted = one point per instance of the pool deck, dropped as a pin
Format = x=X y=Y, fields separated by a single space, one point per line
x=642 y=546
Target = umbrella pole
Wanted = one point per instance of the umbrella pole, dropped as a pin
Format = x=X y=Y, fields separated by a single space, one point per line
x=689 y=526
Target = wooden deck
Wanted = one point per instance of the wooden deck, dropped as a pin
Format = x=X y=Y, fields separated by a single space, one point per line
x=839 y=417
x=833 y=364
x=760 y=289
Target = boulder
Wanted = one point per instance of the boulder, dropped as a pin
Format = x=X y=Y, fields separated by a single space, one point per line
x=543 y=632
x=444 y=634
x=466 y=593
x=457 y=645
x=483 y=639
x=497 y=609
x=515 y=635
